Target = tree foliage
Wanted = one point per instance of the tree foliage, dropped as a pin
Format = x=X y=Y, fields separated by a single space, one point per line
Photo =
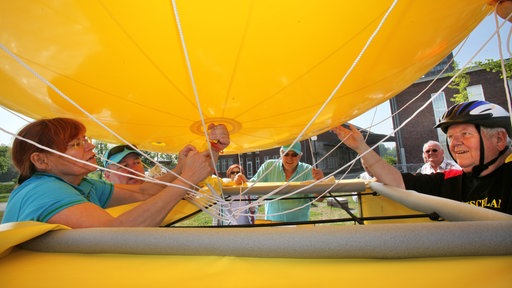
x=390 y=160
x=462 y=81
x=459 y=83
x=495 y=66
x=387 y=151
x=4 y=159
x=168 y=160
x=7 y=170
x=388 y=154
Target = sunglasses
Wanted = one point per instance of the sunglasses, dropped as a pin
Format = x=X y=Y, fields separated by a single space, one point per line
x=234 y=172
x=119 y=149
x=293 y=154
x=433 y=151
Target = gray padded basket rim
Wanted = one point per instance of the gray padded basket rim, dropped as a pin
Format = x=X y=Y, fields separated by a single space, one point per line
x=418 y=240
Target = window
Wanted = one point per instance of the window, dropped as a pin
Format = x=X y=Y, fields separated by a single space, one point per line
x=439 y=105
x=331 y=163
x=249 y=169
x=475 y=92
x=223 y=165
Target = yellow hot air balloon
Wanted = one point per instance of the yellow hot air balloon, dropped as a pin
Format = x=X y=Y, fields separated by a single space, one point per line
x=157 y=72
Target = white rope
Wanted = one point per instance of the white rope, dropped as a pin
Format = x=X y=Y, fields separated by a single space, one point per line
x=349 y=71
x=196 y=94
x=425 y=105
x=502 y=62
x=338 y=86
x=207 y=200
x=192 y=80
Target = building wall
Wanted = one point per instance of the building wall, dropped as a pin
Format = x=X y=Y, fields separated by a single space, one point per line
x=420 y=129
x=313 y=152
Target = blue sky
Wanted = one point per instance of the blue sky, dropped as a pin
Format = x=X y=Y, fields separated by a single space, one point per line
x=475 y=40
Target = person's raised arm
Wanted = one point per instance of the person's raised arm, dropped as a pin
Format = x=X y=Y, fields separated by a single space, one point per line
x=128 y=193
x=219 y=138
x=380 y=169
x=150 y=212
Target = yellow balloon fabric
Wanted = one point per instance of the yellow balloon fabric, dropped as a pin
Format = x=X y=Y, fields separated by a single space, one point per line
x=25 y=268
x=202 y=199
x=156 y=75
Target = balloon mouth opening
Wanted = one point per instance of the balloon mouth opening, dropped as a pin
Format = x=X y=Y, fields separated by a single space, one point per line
x=232 y=125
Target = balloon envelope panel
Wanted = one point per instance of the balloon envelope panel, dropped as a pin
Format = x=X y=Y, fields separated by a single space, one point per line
x=155 y=75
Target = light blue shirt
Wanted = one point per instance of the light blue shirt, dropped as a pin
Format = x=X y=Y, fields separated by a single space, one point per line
x=276 y=174
x=43 y=195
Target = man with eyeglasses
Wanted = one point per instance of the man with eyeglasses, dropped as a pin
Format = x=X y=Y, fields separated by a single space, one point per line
x=478 y=135
x=124 y=159
x=287 y=168
x=433 y=156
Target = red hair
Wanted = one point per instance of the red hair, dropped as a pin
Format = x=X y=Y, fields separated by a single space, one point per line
x=55 y=133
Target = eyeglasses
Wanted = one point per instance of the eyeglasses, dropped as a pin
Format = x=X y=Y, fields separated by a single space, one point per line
x=79 y=143
x=119 y=149
x=234 y=172
x=293 y=154
x=432 y=150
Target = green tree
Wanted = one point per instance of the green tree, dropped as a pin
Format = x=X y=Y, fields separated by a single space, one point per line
x=388 y=154
x=387 y=151
x=100 y=149
x=4 y=159
x=495 y=66
x=8 y=172
x=167 y=160
x=390 y=160
x=459 y=83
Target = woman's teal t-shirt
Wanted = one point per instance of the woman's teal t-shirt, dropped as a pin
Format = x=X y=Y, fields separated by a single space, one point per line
x=44 y=195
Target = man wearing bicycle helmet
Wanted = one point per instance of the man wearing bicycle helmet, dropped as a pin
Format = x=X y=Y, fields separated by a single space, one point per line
x=478 y=134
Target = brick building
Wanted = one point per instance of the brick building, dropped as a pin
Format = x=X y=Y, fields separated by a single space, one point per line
x=312 y=150
x=409 y=139
x=483 y=85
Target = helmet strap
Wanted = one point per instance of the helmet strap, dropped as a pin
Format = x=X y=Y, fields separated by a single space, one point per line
x=481 y=167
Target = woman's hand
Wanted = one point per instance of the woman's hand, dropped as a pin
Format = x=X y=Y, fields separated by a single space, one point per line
x=240 y=179
x=182 y=156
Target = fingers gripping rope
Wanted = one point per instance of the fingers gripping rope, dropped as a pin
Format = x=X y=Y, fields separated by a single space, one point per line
x=208 y=200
